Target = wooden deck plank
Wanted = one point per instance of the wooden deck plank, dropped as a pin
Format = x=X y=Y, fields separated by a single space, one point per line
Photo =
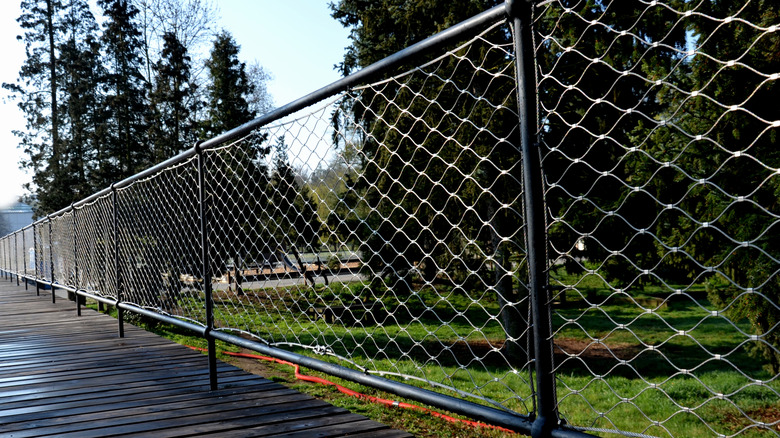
x=63 y=375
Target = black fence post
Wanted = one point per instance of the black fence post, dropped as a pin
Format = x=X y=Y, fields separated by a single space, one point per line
x=51 y=263
x=75 y=262
x=206 y=268
x=24 y=258
x=120 y=313
x=521 y=14
x=16 y=255
x=10 y=262
x=35 y=260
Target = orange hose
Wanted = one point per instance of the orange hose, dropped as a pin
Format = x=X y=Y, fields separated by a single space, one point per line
x=347 y=391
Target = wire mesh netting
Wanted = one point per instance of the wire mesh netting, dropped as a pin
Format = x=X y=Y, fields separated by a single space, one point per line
x=159 y=245
x=396 y=209
x=659 y=128
x=94 y=242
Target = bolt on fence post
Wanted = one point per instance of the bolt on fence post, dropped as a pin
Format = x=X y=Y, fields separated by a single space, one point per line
x=521 y=14
x=206 y=268
x=120 y=314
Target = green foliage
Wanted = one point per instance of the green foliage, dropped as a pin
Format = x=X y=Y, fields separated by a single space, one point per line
x=126 y=151
x=741 y=196
x=661 y=160
x=173 y=102
x=92 y=117
x=229 y=88
x=435 y=196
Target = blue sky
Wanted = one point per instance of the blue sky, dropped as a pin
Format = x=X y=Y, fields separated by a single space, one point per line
x=295 y=40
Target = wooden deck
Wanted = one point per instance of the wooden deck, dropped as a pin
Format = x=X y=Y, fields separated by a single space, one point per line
x=68 y=376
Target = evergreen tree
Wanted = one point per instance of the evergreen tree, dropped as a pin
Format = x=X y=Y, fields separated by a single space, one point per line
x=127 y=149
x=730 y=157
x=37 y=90
x=173 y=102
x=294 y=219
x=239 y=178
x=229 y=87
x=587 y=142
x=82 y=98
x=662 y=156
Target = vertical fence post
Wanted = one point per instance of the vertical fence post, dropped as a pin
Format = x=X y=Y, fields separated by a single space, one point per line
x=206 y=268
x=75 y=262
x=10 y=262
x=24 y=258
x=16 y=255
x=35 y=260
x=521 y=13
x=51 y=263
x=120 y=314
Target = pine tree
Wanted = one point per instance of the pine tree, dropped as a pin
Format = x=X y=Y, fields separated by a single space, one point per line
x=294 y=212
x=82 y=99
x=229 y=87
x=127 y=149
x=173 y=102
x=589 y=160
x=37 y=90
x=736 y=153
x=239 y=178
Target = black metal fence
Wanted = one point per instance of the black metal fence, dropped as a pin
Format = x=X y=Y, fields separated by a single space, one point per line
x=548 y=218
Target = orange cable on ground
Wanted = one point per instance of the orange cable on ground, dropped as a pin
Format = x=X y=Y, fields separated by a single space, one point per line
x=347 y=391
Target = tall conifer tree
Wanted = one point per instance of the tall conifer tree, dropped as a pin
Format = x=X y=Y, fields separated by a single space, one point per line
x=173 y=101
x=81 y=104
x=126 y=93
x=37 y=91
x=240 y=176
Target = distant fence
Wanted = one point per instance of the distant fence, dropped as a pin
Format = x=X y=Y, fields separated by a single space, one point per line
x=581 y=238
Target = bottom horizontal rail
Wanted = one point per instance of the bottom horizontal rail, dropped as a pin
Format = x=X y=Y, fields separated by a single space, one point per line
x=489 y=415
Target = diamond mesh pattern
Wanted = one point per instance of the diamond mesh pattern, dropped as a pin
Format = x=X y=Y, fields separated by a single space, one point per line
x=43 y=251
x=158 y=243
x=95 y=247
x=63 y=249
x=661 y=172
x=26 y=236
x=384 y=228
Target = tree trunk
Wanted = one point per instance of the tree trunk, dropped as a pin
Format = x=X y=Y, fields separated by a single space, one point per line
x=55 y=126
x=513 y=311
